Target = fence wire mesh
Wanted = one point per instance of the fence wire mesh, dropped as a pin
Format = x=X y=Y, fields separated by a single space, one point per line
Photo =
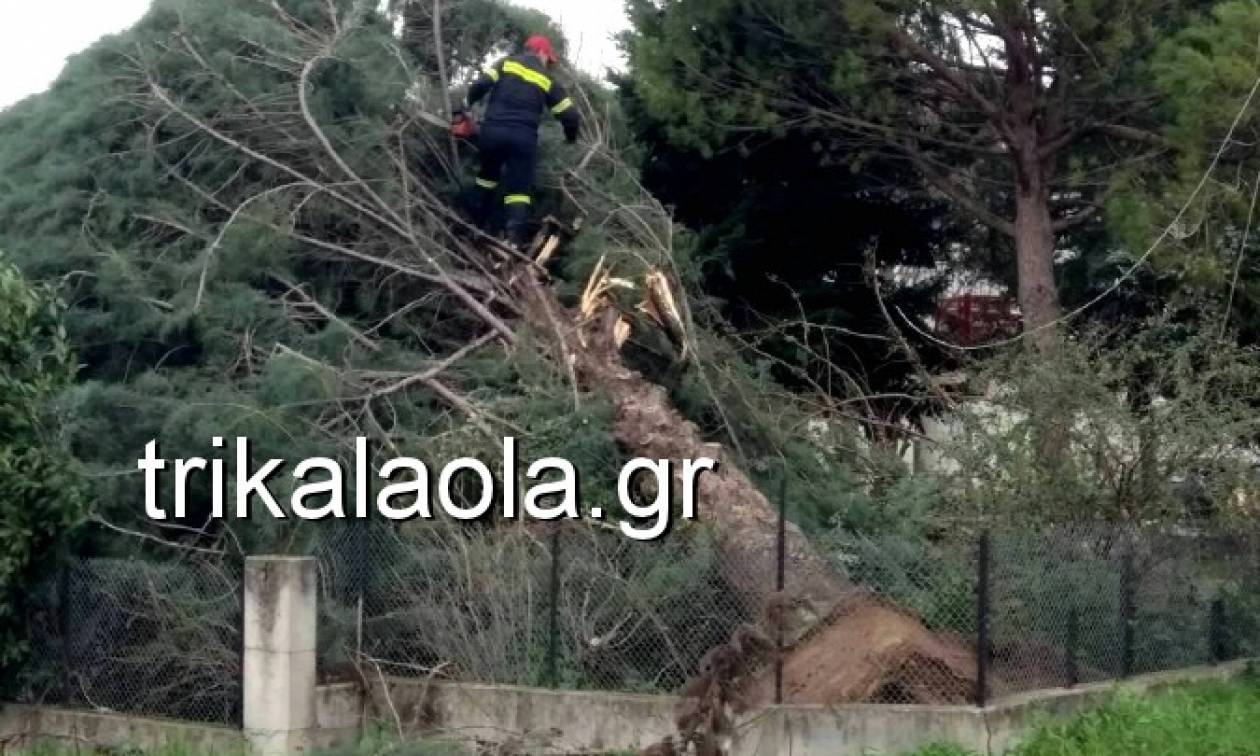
x=884 y=658
x=138 y=637
x=579 y=605
x=1085 y=603
x=560 y=605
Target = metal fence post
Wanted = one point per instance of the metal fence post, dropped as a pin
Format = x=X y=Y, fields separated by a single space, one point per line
x=64 y=625
x=239 y=715
x=1127 y=580
x=553 y=620
x=779 y=583
x=1217 y=645
x=1073 y=639
x=982 y=620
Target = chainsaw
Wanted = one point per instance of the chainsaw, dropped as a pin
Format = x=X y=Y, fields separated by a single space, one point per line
x=461 y=126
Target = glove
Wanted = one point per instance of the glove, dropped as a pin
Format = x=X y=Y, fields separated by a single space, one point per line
x=462 y=126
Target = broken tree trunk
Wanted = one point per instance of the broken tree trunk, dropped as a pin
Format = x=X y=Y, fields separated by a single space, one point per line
x=870 y=647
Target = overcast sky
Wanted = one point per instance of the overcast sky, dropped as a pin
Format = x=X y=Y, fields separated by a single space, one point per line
x=36 y=36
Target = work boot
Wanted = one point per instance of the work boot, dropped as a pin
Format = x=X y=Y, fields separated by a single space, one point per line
x=481 y=206
x=517 y=225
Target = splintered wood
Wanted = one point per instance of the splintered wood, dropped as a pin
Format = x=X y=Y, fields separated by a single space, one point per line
x=662 y=308
x=659 y=304
x=549 y=248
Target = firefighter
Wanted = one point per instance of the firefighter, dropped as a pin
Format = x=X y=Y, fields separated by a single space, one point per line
x=520 y=89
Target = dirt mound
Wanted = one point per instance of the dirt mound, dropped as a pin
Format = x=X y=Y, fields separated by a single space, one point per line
x=870 y=650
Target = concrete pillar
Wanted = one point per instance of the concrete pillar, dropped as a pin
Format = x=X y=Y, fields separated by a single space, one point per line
x=279 y=664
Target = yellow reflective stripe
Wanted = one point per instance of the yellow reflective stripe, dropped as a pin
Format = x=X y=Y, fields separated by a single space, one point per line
x=528 y=74
x=491 y=72
x=516 y=199
x=562 y=106
x=486 y=183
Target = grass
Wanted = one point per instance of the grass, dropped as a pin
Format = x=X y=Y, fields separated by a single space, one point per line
x=1203 y=719
x=380 y=741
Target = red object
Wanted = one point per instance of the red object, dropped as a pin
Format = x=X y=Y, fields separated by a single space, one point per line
x=541 y=46
x=463 y=127
x=975 y=319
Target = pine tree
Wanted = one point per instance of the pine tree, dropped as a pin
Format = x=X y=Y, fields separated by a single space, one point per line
x=1017 y=113
x=783 y=237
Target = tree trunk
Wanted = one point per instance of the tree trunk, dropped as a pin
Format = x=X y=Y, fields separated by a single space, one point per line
x=647 y=425
x=1034 y=252
x=870 y=644
x=1039 y=294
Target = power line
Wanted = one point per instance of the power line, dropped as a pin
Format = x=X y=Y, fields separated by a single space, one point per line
x=1111 y=289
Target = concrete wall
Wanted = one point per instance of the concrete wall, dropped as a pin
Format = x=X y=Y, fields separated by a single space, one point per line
x=22 y=725
x=340 y=711
x=279 y=665
x=869 y=730
x=533 y=720
x=1012 y=717
x=856 y=730
x=530 y=720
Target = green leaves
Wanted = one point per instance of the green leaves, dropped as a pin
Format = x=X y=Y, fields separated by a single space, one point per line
x=1135 y=416
x=1202 y=75
x=40 y=488
x=35 y=356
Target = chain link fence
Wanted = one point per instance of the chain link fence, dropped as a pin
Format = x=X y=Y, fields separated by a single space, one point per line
x=568 y=605
x=1085 y=603
x=138 y=637
x=576 y=605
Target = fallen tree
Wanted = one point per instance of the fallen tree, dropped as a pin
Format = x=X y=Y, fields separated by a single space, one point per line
x=293 y=150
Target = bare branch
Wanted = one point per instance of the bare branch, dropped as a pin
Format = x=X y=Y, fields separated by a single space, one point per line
x=1077 y=218
x=957 y=194
x=152 y=538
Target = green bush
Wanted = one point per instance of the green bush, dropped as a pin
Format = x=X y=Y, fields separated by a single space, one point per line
x=40 y=492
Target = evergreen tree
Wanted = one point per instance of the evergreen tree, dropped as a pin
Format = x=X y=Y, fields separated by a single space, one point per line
x=784 y=233
x=1017 y=113
x=1207 y=76
x=212 y=293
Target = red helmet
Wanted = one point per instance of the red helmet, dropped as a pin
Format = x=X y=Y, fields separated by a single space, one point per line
x=541 y=46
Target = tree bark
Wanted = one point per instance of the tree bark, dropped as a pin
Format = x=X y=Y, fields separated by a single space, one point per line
x=872 y=644
x=1035 y=248
x=647 y=424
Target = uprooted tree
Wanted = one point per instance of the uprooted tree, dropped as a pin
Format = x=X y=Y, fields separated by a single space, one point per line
x=294 y=251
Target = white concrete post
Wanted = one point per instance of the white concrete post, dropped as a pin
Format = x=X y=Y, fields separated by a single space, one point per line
x=279 y=665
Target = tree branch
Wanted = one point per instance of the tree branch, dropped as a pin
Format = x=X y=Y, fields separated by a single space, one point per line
x=1128 y=133
x=434 y=371
x=915 y=50
x=1075 y=219
x=957 y=194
